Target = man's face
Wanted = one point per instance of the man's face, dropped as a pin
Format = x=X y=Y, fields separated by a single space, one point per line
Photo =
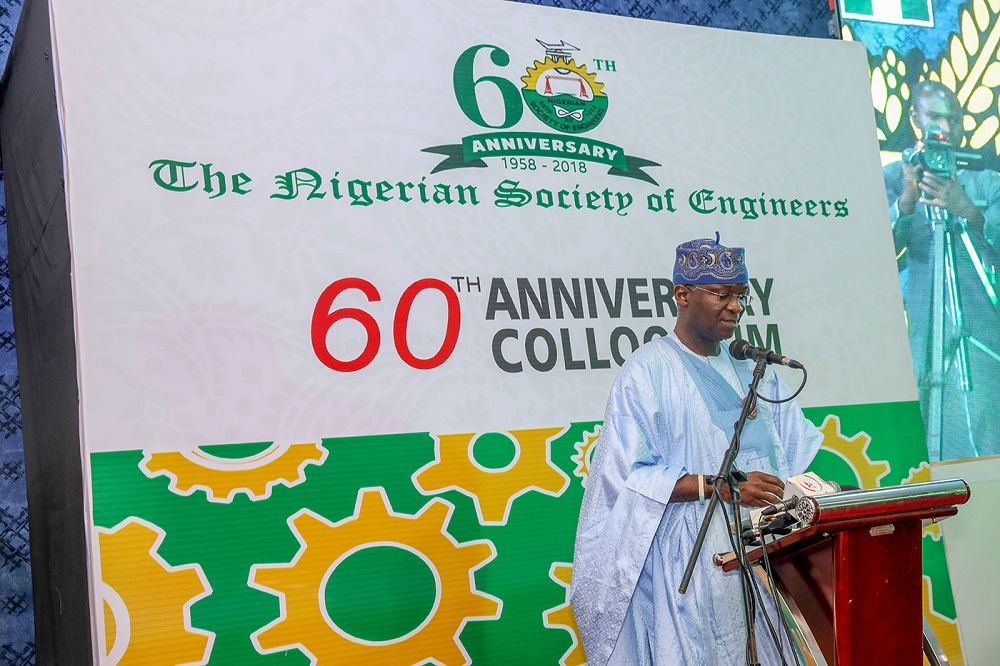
x=711 y=318
x=941 y=111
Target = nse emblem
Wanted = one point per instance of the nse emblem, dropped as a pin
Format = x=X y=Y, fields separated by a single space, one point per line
x=563 y=94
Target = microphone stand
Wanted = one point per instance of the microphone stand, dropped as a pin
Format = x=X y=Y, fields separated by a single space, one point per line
x=729 y=474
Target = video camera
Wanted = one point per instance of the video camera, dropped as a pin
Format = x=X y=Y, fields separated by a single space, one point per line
x=938 y=157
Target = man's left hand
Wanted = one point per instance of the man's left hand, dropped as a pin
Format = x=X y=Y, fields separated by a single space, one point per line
x=948 y=193
x=759 y=489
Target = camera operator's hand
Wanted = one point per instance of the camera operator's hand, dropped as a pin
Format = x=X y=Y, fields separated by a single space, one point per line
x=912 y=174
x=948 y=193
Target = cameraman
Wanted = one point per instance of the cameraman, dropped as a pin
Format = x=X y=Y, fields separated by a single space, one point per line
x=972 y=199
x=935 y=104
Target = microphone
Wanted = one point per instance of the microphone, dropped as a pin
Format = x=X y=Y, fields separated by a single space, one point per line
x=742 y=350
x=793 y=502
x=786 y=505
x=780 y=526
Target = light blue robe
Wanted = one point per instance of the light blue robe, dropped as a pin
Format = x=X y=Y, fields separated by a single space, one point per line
x=664 y=421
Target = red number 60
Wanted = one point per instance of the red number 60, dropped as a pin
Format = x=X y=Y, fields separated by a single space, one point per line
x=323 y=318
x=402 y=319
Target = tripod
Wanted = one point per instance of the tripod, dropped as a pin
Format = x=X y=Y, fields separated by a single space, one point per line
x=947 y=308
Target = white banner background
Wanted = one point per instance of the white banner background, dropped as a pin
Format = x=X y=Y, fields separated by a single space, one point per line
x=193 y=314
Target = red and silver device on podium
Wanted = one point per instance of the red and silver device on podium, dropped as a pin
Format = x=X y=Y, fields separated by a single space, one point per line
x=848 y=581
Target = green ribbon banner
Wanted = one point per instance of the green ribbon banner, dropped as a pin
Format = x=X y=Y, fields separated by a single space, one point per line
x=472 y=150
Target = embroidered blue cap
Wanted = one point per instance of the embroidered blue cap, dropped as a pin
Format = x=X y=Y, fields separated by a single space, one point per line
x=704 y=261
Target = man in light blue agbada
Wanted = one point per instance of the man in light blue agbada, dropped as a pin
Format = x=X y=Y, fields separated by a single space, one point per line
x=669 y=421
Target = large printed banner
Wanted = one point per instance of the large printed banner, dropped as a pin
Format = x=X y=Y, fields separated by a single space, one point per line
x=353 y=280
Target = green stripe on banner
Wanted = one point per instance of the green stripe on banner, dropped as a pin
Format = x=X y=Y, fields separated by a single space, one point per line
x=858 y=7
x=900 y=11
x=915 y=10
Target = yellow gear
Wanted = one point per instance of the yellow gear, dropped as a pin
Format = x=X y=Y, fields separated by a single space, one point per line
x=854 y=452
x=223 y=478
x=303 y=622
x=538 y=68
x=147 y=602
x=561 y=616
x=945 y=629
x=922 y=474
x=493 y=491
x=585 y=454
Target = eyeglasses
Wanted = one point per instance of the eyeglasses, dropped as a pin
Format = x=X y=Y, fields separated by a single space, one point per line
x=744 y=299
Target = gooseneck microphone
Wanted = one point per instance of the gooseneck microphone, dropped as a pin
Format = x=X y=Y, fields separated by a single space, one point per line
x=779 y=526
x=742 y=350
x=785 y=505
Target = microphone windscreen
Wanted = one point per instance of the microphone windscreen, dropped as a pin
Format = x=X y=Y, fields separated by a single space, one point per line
x=738 y=349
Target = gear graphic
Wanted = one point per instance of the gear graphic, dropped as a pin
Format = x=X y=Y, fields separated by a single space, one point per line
x=585 y=455
x=563 y=94
x=493 y=491
x=223 y=478
x=922 y=474
x=944 y=628
x=147 y=602
x=304 y=622
x=590 y=87
x=854 y=452
x=919 y=474
x=561 y=616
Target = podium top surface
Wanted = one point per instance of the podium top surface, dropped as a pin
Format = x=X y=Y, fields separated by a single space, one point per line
x=882 y=502
x=823 y=515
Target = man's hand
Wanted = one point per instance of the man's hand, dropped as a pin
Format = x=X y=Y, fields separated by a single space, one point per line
x=759 y=489
x=948 y=193
x=912 y=175
x=920 y=186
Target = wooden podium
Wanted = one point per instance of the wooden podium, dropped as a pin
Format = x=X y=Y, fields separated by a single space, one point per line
x=849 y=582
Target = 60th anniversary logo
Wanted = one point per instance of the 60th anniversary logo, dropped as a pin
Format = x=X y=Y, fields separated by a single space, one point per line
x=560 y=93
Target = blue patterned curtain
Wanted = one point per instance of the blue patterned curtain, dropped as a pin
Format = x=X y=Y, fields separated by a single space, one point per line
x=802 y=18
x=17 y=629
